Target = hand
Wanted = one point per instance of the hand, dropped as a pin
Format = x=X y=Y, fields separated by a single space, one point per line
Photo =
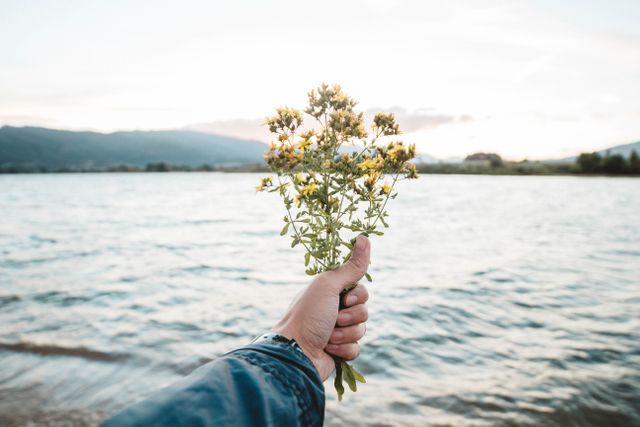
x=313 y=319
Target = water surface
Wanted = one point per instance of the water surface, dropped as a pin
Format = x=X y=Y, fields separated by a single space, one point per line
x=496 y=300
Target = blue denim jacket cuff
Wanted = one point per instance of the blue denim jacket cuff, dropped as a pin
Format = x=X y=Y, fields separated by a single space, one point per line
x=289 y=366
x=286 y=350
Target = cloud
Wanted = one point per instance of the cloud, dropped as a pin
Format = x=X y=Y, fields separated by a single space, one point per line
x=143 y=109
x=25 y=120
x=238 y=128
x=410 y=121
x=421 y=119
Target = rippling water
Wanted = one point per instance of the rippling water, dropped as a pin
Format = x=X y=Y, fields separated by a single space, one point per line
x=496 y=300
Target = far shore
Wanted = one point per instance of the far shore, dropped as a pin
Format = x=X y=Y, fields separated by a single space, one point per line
x=506 y=169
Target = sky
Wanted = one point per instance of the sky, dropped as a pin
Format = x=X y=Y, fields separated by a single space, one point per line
x=524 y=78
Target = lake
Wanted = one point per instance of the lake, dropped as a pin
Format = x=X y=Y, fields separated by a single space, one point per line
x=496 y=300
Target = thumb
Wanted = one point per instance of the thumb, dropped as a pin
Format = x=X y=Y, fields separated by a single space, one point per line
x=350 y=272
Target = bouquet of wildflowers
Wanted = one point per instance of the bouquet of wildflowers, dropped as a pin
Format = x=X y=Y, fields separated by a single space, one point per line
x=335 y=180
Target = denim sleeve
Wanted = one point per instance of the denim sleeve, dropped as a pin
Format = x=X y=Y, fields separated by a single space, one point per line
x=267 y=383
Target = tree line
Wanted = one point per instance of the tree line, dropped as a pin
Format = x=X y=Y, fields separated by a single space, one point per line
x=474 y=164
x=616 y=164
x=584 y=164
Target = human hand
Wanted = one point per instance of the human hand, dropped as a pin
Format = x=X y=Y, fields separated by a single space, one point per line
x=314 y=321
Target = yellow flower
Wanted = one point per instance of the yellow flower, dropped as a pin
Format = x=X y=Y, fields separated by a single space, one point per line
x=411 y=171
x=264 y=183
x=298 y=178
x=395 y=151
x=304 y=144
x=334 y=203
x=371 y=164
x=371 y=180
x=309 y=189
x=386 y=188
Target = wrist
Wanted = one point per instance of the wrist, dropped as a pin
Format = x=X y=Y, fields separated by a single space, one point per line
x=291 y=334
x=274 y=337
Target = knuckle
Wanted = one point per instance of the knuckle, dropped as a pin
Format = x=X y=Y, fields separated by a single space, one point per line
x=363 y=291
x=361 y=331
x=356 y=270
x=353 y=351
x=363 y=313
x=358 y=265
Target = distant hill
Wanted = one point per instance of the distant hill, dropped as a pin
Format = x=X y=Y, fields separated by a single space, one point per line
x=34 y=148
x=624 y=150
x=59 y=149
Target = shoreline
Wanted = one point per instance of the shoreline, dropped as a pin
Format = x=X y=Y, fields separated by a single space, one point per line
x=263 y=171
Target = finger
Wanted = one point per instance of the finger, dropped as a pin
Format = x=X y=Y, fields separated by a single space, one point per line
x=347 y=334
x=352 y=270
x=358 y=295
x=347 y=351
x=353 y=315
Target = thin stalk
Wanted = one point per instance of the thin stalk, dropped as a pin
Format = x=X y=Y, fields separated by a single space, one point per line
x=393 y=184
x=295 y=230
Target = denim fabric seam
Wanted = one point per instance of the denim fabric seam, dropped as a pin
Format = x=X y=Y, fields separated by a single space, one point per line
x=303 y=416
x=299 y=355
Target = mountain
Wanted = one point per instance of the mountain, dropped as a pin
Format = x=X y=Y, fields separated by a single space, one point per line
x=624 y=150
x=426 y=159
x=58 y=149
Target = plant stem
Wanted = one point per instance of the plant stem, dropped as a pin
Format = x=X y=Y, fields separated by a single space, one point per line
x=393 y=184
x=295 y=230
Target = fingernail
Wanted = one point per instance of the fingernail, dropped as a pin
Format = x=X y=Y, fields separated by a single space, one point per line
x=337 y=335
x=332 y=347
x=344 y=317
x=351 y=299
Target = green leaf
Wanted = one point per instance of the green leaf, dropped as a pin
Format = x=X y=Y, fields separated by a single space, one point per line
x=368 y=276
x=337 y=382
x=358 y=376
x=284 y=229
x=347 y=375
x=307 y=258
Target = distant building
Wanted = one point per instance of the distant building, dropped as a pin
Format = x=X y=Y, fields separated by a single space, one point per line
x=483 y=160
